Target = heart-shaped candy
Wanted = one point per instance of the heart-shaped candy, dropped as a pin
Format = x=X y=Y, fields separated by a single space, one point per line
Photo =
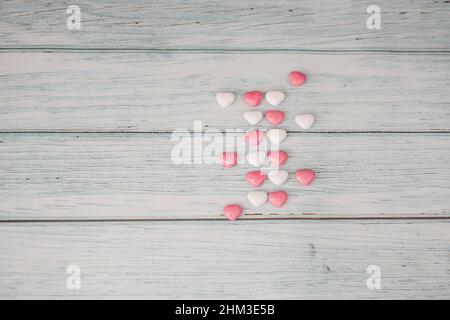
x=278 y=177
x=277 y=198
x=253 y=98
x=256 y=158
x=274 y=98
x=229 y=159
x=276 y=136
x=275 y=116
x=232 y=212
x=257 y=198
x=255 y=178
x=225 y=99
x=305 y=176
x=305 y=120
x=254 y=137
x=277 y=158
x=297 y=78
x=253 y=116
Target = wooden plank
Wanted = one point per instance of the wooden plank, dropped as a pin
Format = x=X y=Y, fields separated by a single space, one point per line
x=127 y=176
x=250 y=24
x=161 y=92
x=221 y=260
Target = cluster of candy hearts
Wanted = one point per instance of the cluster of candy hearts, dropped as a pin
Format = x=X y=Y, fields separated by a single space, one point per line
x=257 y=178
x=276 y=117
x=254 y=98
x=276 y=198
x=278 y=177
x=275 y=136
x=258 y=158
x=274 y=98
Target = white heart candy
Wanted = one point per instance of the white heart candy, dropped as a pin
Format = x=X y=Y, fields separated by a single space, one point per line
x=276 y=136
x=225 y=99
x=253 y=117
x=274 y=98
x=304 y=121
x=257 y=198
x=278 y=177
x=256 y=158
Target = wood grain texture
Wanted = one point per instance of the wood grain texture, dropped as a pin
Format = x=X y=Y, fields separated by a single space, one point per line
x=127 y=176
x=137 y=92
x=222 y=260
x=217 y=24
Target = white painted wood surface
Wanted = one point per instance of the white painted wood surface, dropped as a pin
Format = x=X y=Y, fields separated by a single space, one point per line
x=97 y=91
x=218 y=24
x=92 y=176
x=220 y=260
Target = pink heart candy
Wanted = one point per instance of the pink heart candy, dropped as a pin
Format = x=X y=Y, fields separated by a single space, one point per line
x=229 y=159
x=297 y=78
x=305 y=176
x=275 y=116
x=255 y=178
x=254 y=137
x=253 y=98
x=277 y=198
x=277 y=158
x=232 y=212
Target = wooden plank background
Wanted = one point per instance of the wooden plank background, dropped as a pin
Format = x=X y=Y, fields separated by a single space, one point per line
x=86 y=178
x=260 y=260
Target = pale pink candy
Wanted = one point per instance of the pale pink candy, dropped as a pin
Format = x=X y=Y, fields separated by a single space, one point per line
x=253 y=98
x=305 y=176
x=255 y=178
x=229 y=159
x=275 y=116
x=232 y=212
x=277 y=158
x=254 y=137
x=277 y=198
x=297 y=78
